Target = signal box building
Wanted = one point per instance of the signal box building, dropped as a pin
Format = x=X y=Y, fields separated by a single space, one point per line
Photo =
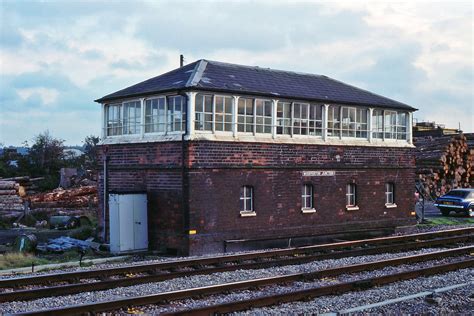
x=228 y=155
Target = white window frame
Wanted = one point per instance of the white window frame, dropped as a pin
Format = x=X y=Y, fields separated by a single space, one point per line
x=117 y=125
x=390 y=195
x=247 y=197
x=307 y=195
x=334 y=132
x=245 y=116
x=351 y=197
x=227 y=118
x=158 y=122
x=284 y=122
x=204 y=113
x=264 y=125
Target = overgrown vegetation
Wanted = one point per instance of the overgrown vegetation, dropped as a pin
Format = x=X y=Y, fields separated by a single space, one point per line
x=19 y=260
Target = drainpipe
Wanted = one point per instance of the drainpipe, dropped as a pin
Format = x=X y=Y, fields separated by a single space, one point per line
x=184 y=178
x=106 y=194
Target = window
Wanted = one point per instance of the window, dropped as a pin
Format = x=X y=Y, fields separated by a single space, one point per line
x=263 y=116
x=246 y=199
x=377 y=124
x=354 y=122
x=176 y=114
x=131 y=117
x=351 y=195
x=315 y=124
x=113 y=118
x=334 y=123
x=155 y=115
x=245 y=115
x=307 y=197
x=284 y=118
x=300 y=118
x=389 y=194
x=390 y=124
x=223 y=114
x=401 y=125
x=203 y=112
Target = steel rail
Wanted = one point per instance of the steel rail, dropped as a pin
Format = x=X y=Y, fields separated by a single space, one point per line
x=28 y=294
x=156 y=268
x=213 y=289
x=308 y=294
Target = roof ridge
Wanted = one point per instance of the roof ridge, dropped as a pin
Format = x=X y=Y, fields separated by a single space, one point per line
x=263 y=68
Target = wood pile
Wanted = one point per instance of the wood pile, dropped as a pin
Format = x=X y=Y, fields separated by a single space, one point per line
x=79 y=197
x=11 y=203
x=444 y=163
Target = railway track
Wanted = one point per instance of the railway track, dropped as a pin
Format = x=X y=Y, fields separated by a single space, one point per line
x=28 y=288
x=115 y=305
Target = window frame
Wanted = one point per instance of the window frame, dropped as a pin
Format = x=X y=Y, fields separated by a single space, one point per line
x=224 y=114
x=246 y=116
x=164 y=123
x=204 y=113
x=247 y=195
x=351 y=196
x=390 y=195
x=307 y=195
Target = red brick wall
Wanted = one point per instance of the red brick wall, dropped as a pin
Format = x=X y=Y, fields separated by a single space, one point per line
x=217 y=170
x=156 y=169
x=275 y=172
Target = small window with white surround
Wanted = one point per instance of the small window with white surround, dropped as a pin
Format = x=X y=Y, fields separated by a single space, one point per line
x=246 y=201
x=351 y=197
x=307 y=199
x=390 y=195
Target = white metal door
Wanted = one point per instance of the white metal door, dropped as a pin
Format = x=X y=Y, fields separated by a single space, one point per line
x=140 y=215
x=126 y=219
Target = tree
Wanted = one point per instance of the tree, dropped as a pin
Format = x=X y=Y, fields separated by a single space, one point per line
x=46 y=159
x=90 y=151
x=47 y=153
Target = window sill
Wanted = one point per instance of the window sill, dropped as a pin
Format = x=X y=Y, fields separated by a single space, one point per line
x=392 y=205
x=352 y=208
x=247 y=214
x=308 y=210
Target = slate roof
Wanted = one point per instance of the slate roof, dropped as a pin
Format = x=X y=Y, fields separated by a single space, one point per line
x=224 y=77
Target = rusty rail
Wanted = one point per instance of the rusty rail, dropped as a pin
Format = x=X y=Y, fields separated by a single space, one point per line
x=214 y=289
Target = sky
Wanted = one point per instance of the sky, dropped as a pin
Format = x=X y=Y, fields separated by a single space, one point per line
x=57 y=57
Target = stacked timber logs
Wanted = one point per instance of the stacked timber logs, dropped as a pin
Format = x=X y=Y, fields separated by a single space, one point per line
x=83 y=196
x=11 y=204
x=443 y=163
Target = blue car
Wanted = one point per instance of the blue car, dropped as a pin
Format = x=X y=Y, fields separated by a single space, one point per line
x=458 y=200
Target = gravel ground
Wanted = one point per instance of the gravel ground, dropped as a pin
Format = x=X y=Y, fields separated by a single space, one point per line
x=196 y=281
x=455 y=301
x=141 y=260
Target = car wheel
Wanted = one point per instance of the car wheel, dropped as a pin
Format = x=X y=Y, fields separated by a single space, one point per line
x=445 y=212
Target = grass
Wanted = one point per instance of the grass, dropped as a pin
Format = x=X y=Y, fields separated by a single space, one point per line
x=19 y=260
x=449 y=221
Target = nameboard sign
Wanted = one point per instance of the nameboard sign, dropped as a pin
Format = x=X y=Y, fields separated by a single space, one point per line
x=328 y=173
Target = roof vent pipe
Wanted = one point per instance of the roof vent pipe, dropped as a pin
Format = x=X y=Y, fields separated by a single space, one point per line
x=181 y=60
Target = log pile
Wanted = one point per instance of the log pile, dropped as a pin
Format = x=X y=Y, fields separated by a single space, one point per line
x=444 y=163
x=79 y=197
x=11 y=204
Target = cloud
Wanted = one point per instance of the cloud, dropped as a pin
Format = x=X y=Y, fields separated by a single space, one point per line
x=62 y=56
x=47 y=96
